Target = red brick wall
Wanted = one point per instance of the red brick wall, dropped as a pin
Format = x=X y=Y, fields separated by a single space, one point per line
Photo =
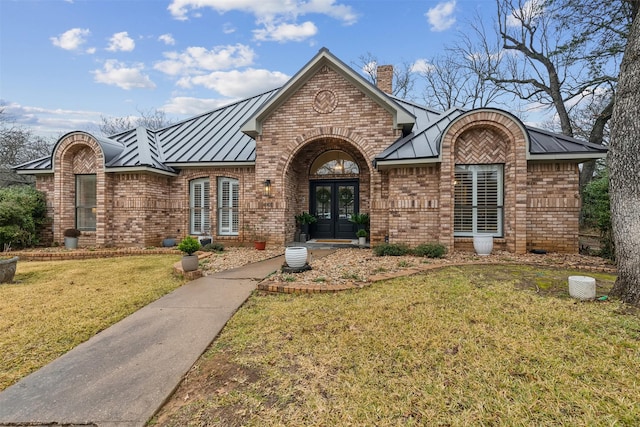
x=553 y=206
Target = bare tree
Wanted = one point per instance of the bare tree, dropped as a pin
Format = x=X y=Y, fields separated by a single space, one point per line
x=403 y=75
x=454 y=80
x=151 y=119
x=539 y=56
x=18 y=145
x=624 y=169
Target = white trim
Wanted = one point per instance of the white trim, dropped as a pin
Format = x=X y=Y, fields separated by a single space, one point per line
x=209 y=164
x=204 y=216
x=34 y=172
x=475 y=168
x=126 y=169
x=226 y=213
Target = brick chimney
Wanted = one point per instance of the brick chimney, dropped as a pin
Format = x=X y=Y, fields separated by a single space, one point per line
x=384 y=78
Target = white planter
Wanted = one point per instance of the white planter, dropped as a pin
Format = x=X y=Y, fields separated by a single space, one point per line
x=483 y=244
x=190 y=263
x=71 y=242
x=582 y=287
x=296 y=256
x=362 y=241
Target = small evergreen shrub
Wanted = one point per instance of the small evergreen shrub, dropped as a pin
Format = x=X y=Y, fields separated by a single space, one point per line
x=430 y=250
x=72 y=232
x=189 y=245
x=361 y=233
x=391 y=249
x=22 y=216
x=213 y=247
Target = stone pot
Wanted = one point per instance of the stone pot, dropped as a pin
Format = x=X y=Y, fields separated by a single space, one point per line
x=190 y=263
x=168 y=242
x=362 y=241
x=582 y=287
x=483 y=244
x=8 y=269
x=296 y=256
x=71 y=242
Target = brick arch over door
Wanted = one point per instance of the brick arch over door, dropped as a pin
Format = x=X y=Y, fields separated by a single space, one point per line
x=487 y=136
x=78 y=153
x=297 y=170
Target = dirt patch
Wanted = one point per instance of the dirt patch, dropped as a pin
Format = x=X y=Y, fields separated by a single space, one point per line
x=215 y=375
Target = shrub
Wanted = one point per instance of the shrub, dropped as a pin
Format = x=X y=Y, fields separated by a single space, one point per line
x=430 y=250
x=189 y=245
x=597 y=212
x=361 y=233
x=213 y=247
x=22 y=214
x=391 y=249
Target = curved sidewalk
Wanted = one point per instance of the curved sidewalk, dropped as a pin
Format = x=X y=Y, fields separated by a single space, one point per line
x=123 y=375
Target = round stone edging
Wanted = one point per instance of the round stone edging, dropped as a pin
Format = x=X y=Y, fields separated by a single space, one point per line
x=291 y=288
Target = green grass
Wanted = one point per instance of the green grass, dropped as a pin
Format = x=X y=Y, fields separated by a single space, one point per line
x=482 y=345
x=56 y=305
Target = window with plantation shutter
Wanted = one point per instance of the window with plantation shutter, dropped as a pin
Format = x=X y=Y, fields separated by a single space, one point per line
x=228 y=196
x=478 y=200
x=199 y=206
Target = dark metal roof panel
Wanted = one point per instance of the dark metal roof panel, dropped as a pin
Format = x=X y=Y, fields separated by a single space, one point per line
x=42 y=163
x=545 y=142
x=214 y=136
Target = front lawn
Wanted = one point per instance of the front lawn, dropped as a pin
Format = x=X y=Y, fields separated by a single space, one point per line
x=56 y=305
x=477 y=345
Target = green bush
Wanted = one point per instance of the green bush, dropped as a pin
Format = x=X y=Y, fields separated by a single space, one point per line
x=213 y=247
x=430 y=250
x=361 y=233
x=391 y=249
x=597 y=212
x=22 y=214
x=189 y=245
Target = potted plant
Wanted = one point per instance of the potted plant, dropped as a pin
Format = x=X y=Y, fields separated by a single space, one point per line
x=361 y=220
x=259 y=242
x=304 y=220
x=189 y=245
x=362 y=237
x=71 y=238
x=8 y=268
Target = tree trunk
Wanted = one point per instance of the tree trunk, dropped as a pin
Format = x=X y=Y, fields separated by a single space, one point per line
x=624 y=168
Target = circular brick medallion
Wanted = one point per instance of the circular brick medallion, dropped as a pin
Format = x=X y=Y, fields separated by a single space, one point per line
x=325 y=101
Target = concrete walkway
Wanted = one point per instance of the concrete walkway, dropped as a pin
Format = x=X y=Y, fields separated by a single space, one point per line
x=123 y=375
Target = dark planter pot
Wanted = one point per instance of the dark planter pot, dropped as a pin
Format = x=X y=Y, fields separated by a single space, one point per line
x=71 y=242
x=168 y=242
x=190 y=263
x=205 y=242
x=8 y=269
x=304 y=229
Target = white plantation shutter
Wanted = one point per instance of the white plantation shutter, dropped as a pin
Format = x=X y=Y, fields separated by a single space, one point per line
x=478 y=198
x=200 y=206
x=228 y=195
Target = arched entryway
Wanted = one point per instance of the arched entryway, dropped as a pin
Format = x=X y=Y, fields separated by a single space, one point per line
x=334 y=194
x=330 y=178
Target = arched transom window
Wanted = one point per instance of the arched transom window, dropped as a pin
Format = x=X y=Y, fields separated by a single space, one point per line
x=334 y=162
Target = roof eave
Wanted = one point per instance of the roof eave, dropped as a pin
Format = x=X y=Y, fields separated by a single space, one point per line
x=129 y=169
x=388 y=164
x=567 y=156
x=222 y=164
x=33 y=171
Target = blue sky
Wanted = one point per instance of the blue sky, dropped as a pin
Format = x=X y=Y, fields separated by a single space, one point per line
x=64 y=63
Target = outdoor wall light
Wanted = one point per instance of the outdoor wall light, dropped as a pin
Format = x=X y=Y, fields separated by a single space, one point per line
x=267 y=188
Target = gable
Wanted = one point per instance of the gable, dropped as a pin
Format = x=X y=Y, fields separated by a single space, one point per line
x=402 y=118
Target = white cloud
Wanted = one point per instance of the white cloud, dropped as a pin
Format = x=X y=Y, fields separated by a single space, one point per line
x=196 y=59
x=421 y=66
x=237 y=84
x=52 y=123
x=118 y=74
x=228 y=28
x=185 y=105
x=121 y=42
x=267 y=9
x=72 y=39
x=167 y=39
x=286 y=32
x=441 y=16
x=530 y=11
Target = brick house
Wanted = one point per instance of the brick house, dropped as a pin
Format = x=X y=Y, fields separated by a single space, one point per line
x=331 y=143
